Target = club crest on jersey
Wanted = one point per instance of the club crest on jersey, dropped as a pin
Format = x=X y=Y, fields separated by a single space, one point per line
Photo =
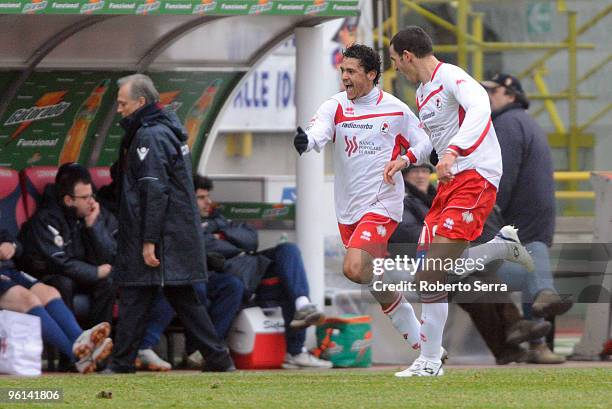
x=381 y=230
x=438 y=104
x=384 y=128
x=468 y=217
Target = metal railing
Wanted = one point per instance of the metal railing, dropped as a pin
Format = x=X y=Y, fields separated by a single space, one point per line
x=468 y=28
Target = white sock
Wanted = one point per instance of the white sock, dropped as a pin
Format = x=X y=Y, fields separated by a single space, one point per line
x=301 y=301
x=405 y=321
x=496 y=249
x=433 y=320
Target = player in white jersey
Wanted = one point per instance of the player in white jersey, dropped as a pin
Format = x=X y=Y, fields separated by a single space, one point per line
x=368 y=128
x=455 y=112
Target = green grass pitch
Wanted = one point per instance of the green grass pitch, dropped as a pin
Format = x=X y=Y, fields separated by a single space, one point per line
x=548 y=387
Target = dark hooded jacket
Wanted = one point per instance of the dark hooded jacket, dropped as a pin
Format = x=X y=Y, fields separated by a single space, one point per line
x=526 y=193
x=238 y=245
x=56 y=241
x=157 y=202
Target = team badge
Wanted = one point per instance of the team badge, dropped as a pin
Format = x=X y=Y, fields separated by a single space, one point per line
x=468 y=217
x=384 y=128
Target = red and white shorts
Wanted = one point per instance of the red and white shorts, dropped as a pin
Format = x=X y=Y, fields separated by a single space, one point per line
x=459 y=209
x=371 y=233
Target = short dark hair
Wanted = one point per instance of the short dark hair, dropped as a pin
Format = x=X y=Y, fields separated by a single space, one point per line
x=413 y=39
x=368 y=58
x=202 y=182
x=68 y=175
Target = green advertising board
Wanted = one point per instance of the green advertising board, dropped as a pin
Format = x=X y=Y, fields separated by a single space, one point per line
x=52 y=116
x=325 y=8
x=196 y=98
x=260 y=215
x=55 y=115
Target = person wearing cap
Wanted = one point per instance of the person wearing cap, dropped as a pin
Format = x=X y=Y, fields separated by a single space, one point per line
x=526 y=200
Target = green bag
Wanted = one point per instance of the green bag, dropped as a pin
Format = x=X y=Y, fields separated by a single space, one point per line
x=346 y=341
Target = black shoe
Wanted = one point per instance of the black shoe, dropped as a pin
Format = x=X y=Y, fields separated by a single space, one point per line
x=224 y=364
x=548 y=304
x=525 y=330
x=516 y=354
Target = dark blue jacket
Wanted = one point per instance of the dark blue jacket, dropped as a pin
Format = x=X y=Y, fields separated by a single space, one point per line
x=238 y=244
x=56 y=241
x=7 y=237
x=526 y=194
x=157 y=202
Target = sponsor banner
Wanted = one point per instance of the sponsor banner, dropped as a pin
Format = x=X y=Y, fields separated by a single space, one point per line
x=52 y=118
x=183 y=7
x=56 y=114
x=260 y=215
x=196 y=98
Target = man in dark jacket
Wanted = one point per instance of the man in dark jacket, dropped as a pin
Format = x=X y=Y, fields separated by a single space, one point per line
x=69 y=242
x=273 y=276
x=526 y=199
x=160 y=242
x=499 y=323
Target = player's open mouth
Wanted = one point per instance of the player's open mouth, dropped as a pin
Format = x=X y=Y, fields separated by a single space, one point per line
x=348 y=87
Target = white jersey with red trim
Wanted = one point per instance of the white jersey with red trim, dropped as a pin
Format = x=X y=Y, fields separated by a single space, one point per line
x=455 y=112
x=367 y=133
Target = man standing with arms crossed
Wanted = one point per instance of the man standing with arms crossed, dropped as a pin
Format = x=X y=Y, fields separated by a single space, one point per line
x=454 y=110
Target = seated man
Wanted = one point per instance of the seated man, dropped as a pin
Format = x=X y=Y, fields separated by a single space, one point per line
x=499 y=321
x=69 y=242
x=238 y=244
x=20 y=292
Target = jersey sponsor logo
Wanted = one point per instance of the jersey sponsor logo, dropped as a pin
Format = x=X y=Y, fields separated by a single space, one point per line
x=349 y=111
x=467 y=216
x=384 y=128
x=427 y=116
x=142 y=152
x=351 y=145
x=449 y=223
x=352 y=125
